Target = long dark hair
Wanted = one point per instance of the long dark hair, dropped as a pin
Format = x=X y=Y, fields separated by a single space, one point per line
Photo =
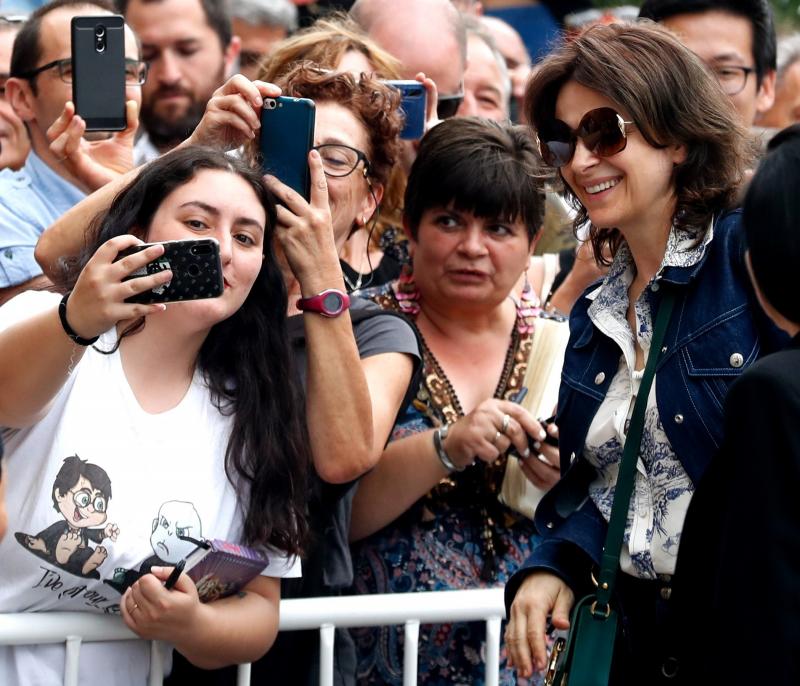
x=245 y=359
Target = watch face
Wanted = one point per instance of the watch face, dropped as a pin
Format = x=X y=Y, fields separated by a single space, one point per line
x=332 y=302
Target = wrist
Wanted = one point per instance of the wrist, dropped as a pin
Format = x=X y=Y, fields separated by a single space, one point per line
x=440 y=435
x=73 y=335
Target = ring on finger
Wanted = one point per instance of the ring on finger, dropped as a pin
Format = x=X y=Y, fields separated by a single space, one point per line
x=506 y=422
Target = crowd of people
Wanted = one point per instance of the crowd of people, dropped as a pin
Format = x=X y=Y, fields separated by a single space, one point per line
x=352 y=403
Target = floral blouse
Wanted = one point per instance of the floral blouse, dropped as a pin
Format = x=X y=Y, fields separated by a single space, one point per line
x=662 y=489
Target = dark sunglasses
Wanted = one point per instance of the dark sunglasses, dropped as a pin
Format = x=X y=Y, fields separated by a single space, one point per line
x=602 y=131
x=448 y=105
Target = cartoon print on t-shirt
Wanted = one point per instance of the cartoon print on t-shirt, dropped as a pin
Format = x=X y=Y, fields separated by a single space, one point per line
x=175 y=518
x=81 y=492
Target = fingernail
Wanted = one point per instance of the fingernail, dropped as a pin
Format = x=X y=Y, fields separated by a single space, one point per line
x=156 y=569
x=537 y=445
x=542 y=433
x=526 y=453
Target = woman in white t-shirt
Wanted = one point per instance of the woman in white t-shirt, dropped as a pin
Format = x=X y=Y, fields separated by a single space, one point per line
x=125 y=438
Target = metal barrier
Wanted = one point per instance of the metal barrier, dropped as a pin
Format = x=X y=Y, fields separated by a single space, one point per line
x=325 y=614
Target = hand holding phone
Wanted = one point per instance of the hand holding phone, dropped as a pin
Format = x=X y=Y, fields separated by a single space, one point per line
x=196 y=271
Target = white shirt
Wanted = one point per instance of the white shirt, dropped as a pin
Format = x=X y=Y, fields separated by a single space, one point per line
x=167 y=478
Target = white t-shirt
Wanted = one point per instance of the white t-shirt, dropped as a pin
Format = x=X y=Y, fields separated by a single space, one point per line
x=74 y=544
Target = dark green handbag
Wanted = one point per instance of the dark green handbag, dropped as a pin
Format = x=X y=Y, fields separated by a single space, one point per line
x=584 y=657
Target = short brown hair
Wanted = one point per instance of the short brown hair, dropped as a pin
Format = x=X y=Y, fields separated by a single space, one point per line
x=488 y=168
x=373 y=103
x=672 y=99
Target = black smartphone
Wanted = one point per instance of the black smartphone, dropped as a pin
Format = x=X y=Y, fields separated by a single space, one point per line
x=196 y=271
x=412 y=107
x=287 y=136
x=98 y=71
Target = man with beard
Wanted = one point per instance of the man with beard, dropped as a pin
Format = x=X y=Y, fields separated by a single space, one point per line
x=191 y=49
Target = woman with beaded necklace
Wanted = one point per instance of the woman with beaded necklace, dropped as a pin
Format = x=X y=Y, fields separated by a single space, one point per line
x=429 y=514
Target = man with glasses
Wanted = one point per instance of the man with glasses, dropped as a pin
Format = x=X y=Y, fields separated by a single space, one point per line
x=62 y=166
x=426 y=36
x=14 y=144
x=735 y=38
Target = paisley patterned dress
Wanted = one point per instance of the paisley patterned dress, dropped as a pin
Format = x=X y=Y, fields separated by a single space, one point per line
x=458 y=536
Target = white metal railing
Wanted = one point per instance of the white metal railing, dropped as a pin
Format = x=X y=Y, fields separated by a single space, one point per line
x=325 y=614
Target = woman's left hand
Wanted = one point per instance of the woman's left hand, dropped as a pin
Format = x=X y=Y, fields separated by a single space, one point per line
x=305 y=230
x=155 y=613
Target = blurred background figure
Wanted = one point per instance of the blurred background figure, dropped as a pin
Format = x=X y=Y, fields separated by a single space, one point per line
x=786 y=108
x=736 y=40
x=14 y=143
x=191 y=50
x=518 y=62
x=487 y=85
x=426 y=36
x=539 y=23
x=260 y=24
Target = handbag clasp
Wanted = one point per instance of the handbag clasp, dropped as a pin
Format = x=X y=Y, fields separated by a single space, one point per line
x=558 y=647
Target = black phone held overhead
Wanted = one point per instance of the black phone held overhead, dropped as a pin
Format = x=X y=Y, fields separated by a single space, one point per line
x=98 y=71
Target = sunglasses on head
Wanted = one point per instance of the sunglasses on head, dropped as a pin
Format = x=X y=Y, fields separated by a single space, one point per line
x=602 y=131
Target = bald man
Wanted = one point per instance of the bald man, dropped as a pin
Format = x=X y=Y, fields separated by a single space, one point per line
x=426 y=36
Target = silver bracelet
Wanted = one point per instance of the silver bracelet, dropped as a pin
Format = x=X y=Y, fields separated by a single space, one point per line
x=438 y=442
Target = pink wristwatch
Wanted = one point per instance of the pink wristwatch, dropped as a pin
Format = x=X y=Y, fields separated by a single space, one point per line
x=329 y=303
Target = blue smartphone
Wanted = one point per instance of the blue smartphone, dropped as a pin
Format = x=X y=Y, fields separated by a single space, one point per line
x=412 y=107
x=287 y=135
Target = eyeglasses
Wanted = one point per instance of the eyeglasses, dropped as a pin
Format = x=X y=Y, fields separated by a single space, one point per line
x=83 y=498
x=341 y=160
x=733 y=79
x=602 y=132
x=448 y=105
x=135 y=71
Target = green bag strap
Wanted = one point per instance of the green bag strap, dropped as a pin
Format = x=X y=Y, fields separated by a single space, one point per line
x=627 y=469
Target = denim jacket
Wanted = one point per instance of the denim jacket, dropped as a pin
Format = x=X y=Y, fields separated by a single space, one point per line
x=716 y=331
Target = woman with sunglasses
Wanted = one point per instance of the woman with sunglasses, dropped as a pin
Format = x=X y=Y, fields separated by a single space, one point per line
x=652 y=155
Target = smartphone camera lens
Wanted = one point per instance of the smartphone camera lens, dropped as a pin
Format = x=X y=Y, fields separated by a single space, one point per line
x=270 y=104
x=99 y=30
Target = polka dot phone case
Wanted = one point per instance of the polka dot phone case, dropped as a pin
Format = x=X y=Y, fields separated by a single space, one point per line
x=196 y=271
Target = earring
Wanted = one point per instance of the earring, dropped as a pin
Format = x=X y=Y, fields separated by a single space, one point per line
x=406 y=291
x=528 y=308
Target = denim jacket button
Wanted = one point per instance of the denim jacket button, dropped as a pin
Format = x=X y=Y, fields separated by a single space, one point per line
x=736 y=360
x=549 y=525
x=679 y=419
x=600 y=378
x=654 y=287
